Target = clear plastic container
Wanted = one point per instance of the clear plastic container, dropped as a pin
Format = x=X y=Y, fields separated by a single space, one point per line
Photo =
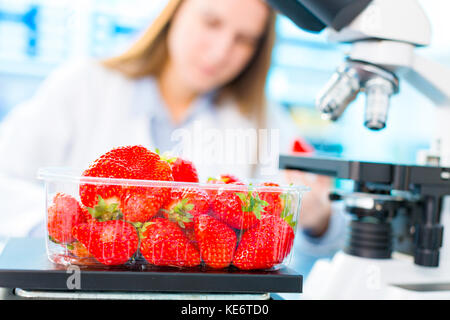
x=141 y=224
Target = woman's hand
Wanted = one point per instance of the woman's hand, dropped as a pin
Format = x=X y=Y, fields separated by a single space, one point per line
x=315 y=207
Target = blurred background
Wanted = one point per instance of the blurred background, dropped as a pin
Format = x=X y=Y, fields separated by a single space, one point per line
x=37 y=36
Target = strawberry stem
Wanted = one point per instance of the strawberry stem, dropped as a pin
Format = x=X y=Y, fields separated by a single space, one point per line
x=252 y=203
x=141 y=227
x=103 y=211
x=180 y=213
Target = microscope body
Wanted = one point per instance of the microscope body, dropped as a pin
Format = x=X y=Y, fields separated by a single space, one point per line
x=384 y=35
x=380 y=40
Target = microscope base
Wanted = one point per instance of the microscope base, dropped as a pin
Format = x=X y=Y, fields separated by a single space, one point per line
x=351 y=277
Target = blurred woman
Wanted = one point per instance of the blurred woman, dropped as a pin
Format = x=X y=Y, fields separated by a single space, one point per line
x=193 y=82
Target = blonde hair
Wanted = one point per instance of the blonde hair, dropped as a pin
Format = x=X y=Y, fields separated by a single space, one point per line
x=148 y=55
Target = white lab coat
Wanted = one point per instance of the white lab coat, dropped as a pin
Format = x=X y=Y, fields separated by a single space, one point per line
x=81 y=111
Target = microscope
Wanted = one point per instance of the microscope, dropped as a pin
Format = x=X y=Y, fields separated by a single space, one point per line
x=397 y=246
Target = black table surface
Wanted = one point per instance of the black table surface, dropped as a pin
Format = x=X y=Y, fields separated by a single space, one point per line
x=24 y=264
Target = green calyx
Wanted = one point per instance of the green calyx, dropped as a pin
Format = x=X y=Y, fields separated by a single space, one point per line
x=166 y=156
x=53 y=239
x=104 y=211
x=180 y=212
x=141 y=227
x=286 y=214
x=252 y=203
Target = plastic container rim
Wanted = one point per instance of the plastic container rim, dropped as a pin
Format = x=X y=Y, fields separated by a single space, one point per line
x=67 y=174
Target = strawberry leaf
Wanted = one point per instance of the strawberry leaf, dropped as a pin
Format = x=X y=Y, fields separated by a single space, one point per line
x=252 y=203
x=286 y=213
x=166 y=156
x=242 y=196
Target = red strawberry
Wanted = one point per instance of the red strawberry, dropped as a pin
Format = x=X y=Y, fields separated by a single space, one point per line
x=186 y=203
x=223 y=179
x=81 y=256
x=79 y=250
x=272 y=195
x=182 y=170
x=142 y=206
x=110 y=165
x=214 y=188
x=265 y=245
x=216 y=241
x=133 y=162
x=63 y=215
x=239 y=207
x=229 y=178
x=105 y=210
x=163 y=243
x=190 y=234
x=111 y=242
x=300 y=145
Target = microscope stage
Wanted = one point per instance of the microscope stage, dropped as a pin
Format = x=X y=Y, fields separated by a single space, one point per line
x=24 y=264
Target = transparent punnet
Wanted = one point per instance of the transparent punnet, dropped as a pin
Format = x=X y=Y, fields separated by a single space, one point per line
x=151 y=224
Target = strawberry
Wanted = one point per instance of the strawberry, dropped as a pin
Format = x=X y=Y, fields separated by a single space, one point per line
x=111 y=242
x=142 y=206
x=132 y=162
x=163 y=243
x=239 y=208
x=229 y=178
x=105 y=210
x=65 y=213
x=182 y=170
x=223 y=179
x=214 y=188
x=265 y=245
x=272 y=195
x=300 y=145
x=216 y=241
x=79 y=250
x=190 y=234
x=80 y=255
x=186 y=203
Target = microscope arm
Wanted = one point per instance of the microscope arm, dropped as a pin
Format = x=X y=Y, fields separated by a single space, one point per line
x=433 y=80
x=430 y=78
x=315 y=15
x=427 y=76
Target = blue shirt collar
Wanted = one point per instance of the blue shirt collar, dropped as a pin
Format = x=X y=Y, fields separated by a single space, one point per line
x=148 y=101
